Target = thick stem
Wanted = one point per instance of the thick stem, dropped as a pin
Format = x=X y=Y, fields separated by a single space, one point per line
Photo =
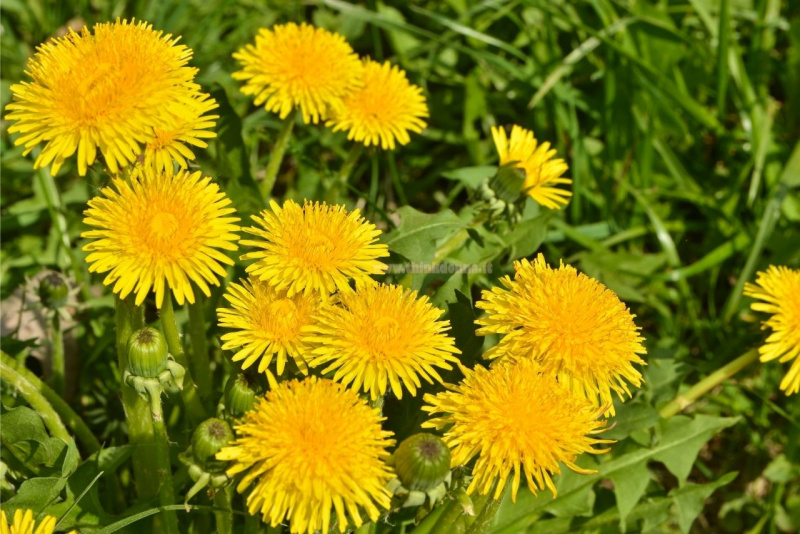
x=10 y=374
x=717 y=377
x=158 y=455
x=57 y=354
x=276 y=158
x=47 y=403
x=222 y=499
x=191 y=400
x=485 y=518
x=129 y=319
x=200 y=363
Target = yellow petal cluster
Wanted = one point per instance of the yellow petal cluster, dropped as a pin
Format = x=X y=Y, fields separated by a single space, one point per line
x=266 y=324
x=299 y=66
x=311 y=450
x=542 y=171
x=384 y=109
x=515 y=419
x=778 y=290
x=23 y=523
x=313 y=248
x=112 y=90
x=162 y=232
x=381 y=335
x=575 y=327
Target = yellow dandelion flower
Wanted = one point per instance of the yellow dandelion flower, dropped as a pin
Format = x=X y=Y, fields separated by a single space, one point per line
x=313 y=248
x=108 y=90
x=24 y=523
x=158 y=230
x=384 y=109
x=310 y=449
x=514 y=417
x=542 y=172
x=381 y=334
x=190 y=128
x=572 y=324
x=292 y=66
x=779 y=289
x=266 y=324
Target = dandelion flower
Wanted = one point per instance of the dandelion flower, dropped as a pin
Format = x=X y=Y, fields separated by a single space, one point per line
x=384 y=109
x=313 y=248
x=514 y=417
x=301 y=66
x=542 y=172
x=159 y=230
x=109 y=90
x=266 y=323
x=24 y=523
x=308 y=449
x=381 y=334
x=779 y=291
x=570 y=323
x=189 y=128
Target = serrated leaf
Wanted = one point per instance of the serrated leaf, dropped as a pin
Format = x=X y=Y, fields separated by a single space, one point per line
x=632 y=416
x=527 y=236
x=418 y=233
x=35 y=494
x=690 y=498
x=629 y=486
x=24 y=435
x=681 y=439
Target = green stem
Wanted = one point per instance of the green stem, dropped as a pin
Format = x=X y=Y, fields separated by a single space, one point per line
x=191 y=400
x=129 y=318
x=158 y=455
x=57 y=355
x=53 y=199
x=200 y=363
x=222 y=499
x=276 y=158
x=9 y=373
x=54 y=411
x=452 y=512
x=717 y=377
x=342 y=178
x=485 y=518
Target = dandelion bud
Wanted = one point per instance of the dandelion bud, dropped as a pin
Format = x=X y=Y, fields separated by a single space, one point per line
x=53 y=290
x=240 y=394
x=508 y=183
x=147 y=353
x=207 y=440
x=422 y=462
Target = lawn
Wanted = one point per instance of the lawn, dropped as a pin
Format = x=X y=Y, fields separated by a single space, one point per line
x=678 y=123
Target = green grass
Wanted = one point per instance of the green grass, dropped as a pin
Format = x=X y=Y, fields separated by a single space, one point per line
x=680 y=122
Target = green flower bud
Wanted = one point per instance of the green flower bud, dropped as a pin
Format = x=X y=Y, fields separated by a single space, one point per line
x=147 y=353
x=53 y=290
x=208 y=439
x=508 y=183
x=422 y=461
x=240 y=394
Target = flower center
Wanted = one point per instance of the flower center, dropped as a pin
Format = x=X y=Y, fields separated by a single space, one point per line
x=281 y=318
x=163 y=225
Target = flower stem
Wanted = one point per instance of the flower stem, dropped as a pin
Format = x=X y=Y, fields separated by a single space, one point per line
x=57 y=354
x=129 y=318
x=158 y=454
x=222 y=499
x=54 y=411
x=191 y=400
x=276 y=158
x=11 y=373
x=486 y=516
x=53 y=199
x=717 y=377
x=200 y=363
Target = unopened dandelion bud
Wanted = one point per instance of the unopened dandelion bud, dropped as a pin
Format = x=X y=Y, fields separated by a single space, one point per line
x=208 y=439
x=508 y=184
x=147 y=353
x=240 y=394
x=53 y=291
x=422 y=462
